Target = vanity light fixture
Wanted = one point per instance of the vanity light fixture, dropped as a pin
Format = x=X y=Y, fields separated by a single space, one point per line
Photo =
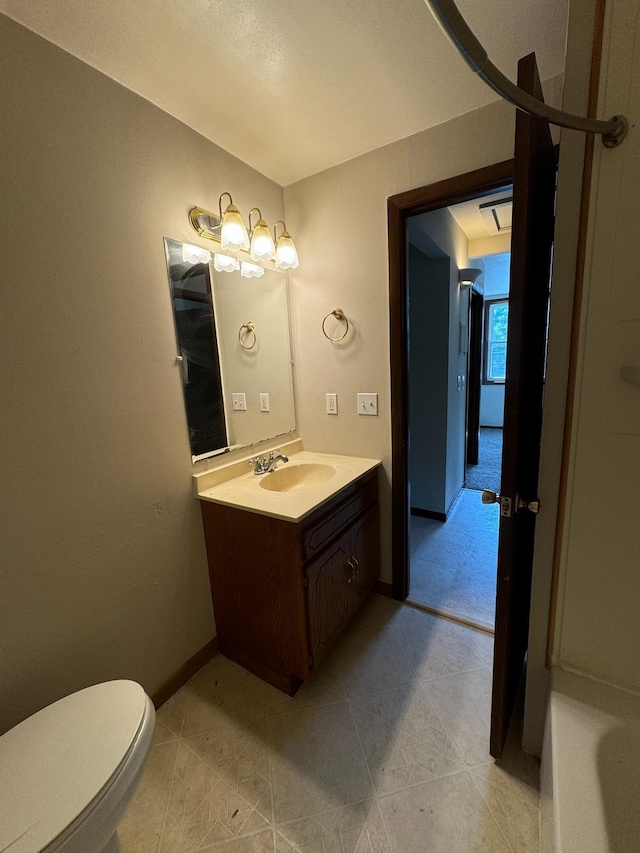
x=262 y=245
x=233 y=232
x=248 y=270
x=230 y=232
x=286 y=254
x=468 y=276
x=195 y=255
x=225 y=263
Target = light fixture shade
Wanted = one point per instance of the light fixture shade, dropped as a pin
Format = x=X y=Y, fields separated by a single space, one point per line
x=194 y=254
x=225 y=263
x=467 y=276
x=248 y=270
x=262 y=248
x=286 y=254
x=233 y=232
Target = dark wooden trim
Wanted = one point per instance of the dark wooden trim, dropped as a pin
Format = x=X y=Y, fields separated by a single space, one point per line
x=184 y=673
x=592 y=107
x=485 y=340
x=383 y=588
x=399 y=208
x=428 y=513
x=474 y=377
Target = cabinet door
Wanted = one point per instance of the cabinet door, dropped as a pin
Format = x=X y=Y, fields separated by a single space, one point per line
x=329 y=596
x=366 y=554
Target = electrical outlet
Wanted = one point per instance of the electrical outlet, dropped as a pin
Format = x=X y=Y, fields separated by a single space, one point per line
x=367 y=404
x=464 y=383
x=264 y=403
x=239 y=402
x=332 y=404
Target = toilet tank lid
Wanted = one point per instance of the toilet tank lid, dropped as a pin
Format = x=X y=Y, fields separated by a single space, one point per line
x=55 y=763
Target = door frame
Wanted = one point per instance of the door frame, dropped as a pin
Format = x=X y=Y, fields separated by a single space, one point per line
x=399 y=208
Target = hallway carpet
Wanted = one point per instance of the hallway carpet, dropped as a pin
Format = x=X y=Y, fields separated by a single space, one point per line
x=453 y=563
x=486 y=474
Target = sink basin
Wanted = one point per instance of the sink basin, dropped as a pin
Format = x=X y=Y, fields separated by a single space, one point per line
x=304 y=475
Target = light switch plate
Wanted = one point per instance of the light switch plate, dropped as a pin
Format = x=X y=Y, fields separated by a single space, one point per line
x=332 y=404
x=239 y=402
x=367 y=404
x=264 y=403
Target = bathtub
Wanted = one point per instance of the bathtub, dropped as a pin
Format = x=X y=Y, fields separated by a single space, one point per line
x=590 y=799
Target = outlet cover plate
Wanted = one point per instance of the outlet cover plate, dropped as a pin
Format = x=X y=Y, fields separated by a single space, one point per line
x=367 y=404
x=264 y=403
x=239 y=401
x=332 y=404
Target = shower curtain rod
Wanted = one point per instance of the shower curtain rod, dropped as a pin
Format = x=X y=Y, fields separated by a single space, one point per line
x=456 y=28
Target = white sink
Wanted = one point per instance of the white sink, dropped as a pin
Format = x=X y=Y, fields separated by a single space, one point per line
x=304 y=475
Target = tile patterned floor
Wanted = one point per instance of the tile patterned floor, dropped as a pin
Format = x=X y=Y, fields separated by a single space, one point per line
x=453 y=563
x=384 y=750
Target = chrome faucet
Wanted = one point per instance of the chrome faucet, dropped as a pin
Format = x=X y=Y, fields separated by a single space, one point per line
x=265 y=465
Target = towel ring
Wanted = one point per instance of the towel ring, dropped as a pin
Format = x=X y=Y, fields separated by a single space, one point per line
x=339 y=314
x=251 y=329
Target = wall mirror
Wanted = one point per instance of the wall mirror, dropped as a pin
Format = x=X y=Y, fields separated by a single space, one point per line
x=234 y=352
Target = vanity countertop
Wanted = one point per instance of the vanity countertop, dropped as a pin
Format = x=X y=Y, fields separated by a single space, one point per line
x=245 y=491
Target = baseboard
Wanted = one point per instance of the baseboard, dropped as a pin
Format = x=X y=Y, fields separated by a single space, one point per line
x=180 y=677
x=384 y=588
x=428 y=513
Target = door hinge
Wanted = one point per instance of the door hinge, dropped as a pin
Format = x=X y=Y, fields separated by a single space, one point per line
x=305 y=582
x=311 y=660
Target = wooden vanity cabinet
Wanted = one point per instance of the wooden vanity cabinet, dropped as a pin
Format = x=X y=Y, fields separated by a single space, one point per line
x=284 y=591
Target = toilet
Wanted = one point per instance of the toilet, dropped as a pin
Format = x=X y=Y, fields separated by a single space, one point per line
x=68 y=773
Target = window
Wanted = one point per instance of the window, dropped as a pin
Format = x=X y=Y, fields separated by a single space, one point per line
x=496 y=323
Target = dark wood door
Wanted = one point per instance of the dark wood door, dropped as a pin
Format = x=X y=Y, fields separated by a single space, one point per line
x=366 y=555
x=329 y=596
x=531 y=248
x=474 y=375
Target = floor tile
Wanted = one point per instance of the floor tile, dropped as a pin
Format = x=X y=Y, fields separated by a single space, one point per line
x=263 y=842
x=316 y=762
x=223 y=695
x=368 y=662
x=443 y=816
x=393 y=727
x=463 y=703
x=324 y=688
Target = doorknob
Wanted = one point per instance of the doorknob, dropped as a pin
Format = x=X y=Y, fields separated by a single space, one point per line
x=532 y=506
x=489 y=497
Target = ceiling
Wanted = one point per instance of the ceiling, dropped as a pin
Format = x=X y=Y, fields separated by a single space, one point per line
x=486 y=216
x=293 y=87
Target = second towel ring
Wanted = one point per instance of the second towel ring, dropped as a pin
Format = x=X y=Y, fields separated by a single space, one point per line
x=339 y=314
x=251 y=329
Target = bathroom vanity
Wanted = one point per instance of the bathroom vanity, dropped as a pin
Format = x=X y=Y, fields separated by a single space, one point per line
x=290 y=560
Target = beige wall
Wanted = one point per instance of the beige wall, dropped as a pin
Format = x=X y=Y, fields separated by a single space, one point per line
x=600 y=591
x=339 y=221
x=102 y=569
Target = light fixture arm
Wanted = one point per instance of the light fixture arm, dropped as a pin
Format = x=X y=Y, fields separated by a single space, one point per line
x=251 y=227
x=275 y=225
x=220 y=203
x=456 y=28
